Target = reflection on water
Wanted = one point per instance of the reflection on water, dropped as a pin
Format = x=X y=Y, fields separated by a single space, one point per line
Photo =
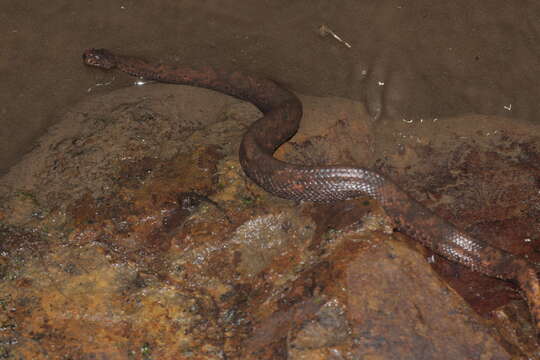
x=435 y=58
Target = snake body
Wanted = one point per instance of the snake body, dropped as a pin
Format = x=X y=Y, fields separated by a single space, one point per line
x=282 y=114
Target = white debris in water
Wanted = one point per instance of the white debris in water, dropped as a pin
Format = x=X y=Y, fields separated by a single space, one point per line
x=107 y=83
x=324 y=30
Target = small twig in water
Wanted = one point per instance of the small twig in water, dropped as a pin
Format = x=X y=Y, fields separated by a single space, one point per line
x=325 y=31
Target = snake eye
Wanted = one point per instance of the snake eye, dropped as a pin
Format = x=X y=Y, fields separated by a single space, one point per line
x=99 y=58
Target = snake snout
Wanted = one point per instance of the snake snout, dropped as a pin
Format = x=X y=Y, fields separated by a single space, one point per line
x=99 y=58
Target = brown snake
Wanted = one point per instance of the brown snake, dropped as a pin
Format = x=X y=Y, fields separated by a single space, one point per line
x=282 y=114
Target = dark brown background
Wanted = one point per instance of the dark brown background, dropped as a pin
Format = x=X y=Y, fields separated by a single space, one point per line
x=436 y=58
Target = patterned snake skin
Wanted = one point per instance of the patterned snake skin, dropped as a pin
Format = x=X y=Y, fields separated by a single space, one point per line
x=282 y=114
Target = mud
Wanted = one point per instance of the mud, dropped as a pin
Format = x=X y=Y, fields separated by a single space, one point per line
x=407 y=60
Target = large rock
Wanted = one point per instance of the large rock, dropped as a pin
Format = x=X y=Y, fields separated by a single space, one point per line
x=132 y=232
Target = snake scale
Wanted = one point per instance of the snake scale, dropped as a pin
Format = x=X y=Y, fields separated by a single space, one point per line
x=282 y=114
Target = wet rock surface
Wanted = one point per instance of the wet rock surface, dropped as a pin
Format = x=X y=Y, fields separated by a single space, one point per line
x=480 y=173
x=133 y=233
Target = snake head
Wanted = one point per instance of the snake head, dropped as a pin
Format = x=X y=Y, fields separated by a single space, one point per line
x=100 y=58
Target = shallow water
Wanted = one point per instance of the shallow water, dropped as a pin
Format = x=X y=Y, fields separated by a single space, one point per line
x=407 y=60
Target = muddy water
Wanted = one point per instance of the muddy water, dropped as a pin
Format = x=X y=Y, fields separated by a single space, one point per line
x=407 y=59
